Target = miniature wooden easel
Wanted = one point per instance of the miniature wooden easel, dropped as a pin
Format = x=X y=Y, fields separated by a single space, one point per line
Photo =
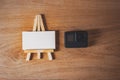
x=38 y=26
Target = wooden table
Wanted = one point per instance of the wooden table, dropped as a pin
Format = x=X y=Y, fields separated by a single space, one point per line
x=100 y=61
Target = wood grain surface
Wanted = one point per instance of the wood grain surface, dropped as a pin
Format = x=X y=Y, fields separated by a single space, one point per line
x=99 y=61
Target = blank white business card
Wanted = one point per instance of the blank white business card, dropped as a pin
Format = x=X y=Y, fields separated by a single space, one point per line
x=38 y=40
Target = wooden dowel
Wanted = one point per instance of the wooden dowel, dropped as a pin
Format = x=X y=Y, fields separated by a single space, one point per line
x=42 y=24
x=28 y=56
x=50 y=56
x=38 y=18
x=35 y=24
x=39 y=54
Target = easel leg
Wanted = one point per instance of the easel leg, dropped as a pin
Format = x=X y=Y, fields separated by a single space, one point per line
x=28 y=56
x=50 y=56
x=39 y=55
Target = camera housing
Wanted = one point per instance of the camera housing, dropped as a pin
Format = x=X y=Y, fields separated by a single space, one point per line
x=76 y=39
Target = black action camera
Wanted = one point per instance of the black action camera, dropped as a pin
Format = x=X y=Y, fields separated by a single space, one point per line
x=76 y=39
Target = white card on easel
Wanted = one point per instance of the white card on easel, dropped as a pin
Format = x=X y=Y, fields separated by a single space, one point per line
x=38 y=40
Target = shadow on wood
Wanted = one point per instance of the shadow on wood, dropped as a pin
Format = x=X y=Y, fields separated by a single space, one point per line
x=93 y=36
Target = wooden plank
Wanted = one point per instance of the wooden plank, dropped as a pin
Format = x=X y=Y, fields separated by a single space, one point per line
x=100 y=61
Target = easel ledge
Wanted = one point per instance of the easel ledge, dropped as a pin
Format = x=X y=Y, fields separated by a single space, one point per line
x=35 y=51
